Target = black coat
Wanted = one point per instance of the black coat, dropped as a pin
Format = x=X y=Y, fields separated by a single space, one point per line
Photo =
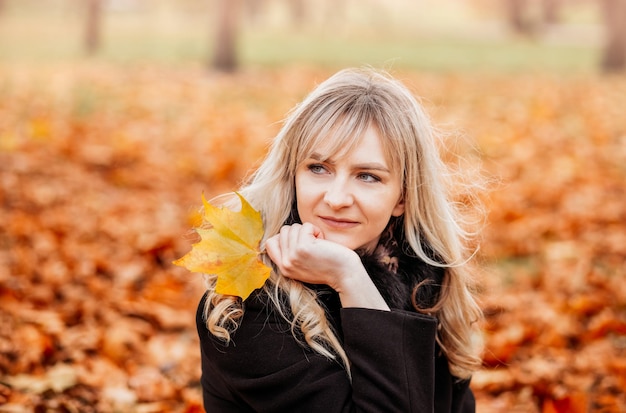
x=395 y=362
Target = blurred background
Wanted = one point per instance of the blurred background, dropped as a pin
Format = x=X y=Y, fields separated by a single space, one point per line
x=491 y=35
x=116 y=115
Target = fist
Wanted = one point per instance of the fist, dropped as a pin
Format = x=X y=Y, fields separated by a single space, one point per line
x=300 y=252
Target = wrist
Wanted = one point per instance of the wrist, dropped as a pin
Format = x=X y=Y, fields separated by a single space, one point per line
x=356 y=289
x=351 y=273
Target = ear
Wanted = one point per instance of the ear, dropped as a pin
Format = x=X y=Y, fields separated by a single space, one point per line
x=399 y=208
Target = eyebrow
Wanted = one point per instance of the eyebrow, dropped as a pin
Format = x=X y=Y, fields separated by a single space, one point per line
x=374 y=166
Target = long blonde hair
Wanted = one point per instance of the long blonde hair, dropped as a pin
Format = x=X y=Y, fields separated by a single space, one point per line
x=345 y=105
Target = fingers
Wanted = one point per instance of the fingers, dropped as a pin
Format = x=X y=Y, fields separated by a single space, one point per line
x=279 y=248
x=312 y=230
x=272 y=247
x=292 y=246
x=288 y=237
x=290 y=242
x=293 y=236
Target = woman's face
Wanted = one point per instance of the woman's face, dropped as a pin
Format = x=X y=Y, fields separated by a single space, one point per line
x=350 y=198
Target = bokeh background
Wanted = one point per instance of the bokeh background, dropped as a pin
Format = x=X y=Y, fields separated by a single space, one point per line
x=116 y=115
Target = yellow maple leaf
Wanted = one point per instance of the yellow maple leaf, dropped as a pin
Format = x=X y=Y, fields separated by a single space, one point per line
x=229 y=248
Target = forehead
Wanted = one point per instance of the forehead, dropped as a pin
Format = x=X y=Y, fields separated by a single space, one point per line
x=365 y=147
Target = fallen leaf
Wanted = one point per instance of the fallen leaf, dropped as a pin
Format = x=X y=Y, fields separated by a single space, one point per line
x=58 y=378
x=575 y=403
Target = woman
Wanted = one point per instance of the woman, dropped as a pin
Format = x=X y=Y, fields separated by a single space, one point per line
x=368 y=307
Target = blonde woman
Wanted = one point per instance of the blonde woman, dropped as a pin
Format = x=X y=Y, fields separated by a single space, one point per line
x=369 y=306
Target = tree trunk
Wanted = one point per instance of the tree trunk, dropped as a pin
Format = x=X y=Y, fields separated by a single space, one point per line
x=254 y=10
x=614 y=58
x=225 y=54
x=93 y=22
x=335 y=13
x=518 y=20
x=298 y=12
x=551 y=10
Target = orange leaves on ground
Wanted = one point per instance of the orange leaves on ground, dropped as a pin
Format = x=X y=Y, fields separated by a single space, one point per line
x=100 y=170
x=576 y=403
x=554 y=294
x=229 y=249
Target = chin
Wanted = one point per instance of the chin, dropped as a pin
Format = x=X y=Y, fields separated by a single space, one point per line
x=353 y=245
x=343 y=242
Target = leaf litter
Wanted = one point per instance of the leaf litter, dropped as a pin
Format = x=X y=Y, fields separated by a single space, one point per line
x=100 y=172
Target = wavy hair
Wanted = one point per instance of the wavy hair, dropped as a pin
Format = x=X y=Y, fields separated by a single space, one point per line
x=343 y=107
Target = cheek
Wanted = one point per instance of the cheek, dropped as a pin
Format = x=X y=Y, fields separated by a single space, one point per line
x=384 y=207
x=303 y=197
x=300 y=192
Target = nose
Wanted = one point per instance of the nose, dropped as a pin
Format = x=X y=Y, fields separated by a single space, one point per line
x=338 y=194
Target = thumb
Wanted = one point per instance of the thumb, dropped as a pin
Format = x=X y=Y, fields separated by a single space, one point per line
x=312 y=230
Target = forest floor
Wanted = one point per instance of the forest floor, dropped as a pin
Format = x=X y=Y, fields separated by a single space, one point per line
x=101 y=174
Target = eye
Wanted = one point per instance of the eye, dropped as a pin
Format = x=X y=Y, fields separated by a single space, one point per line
x=316 y=168
x=368 y=177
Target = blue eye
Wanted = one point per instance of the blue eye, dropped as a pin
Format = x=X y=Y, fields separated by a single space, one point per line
x=317 y=168
x=366 y=177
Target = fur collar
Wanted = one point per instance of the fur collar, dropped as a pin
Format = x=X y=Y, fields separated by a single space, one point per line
x=402 y=277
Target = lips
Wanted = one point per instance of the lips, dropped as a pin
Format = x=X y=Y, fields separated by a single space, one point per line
x=339 y=223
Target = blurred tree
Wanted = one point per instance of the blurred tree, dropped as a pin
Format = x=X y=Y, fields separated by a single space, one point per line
x=518 y=19
x=254 y=10
x=225 y=50
x=336 y=13
x=614 y=57
x=551 y=10
x=93 y=22
x=527 y=18
x=298 y=12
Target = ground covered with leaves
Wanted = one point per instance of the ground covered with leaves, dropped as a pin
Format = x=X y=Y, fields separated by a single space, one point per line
x=101 y=173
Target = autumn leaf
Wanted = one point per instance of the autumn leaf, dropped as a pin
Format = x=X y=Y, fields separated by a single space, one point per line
x=229 y=249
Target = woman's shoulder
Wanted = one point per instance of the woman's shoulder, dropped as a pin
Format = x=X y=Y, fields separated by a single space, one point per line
x=262 y=344
x=262 y=311
x=258 y=312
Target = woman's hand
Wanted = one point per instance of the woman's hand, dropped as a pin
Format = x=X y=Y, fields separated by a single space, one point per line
x=301 y=253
